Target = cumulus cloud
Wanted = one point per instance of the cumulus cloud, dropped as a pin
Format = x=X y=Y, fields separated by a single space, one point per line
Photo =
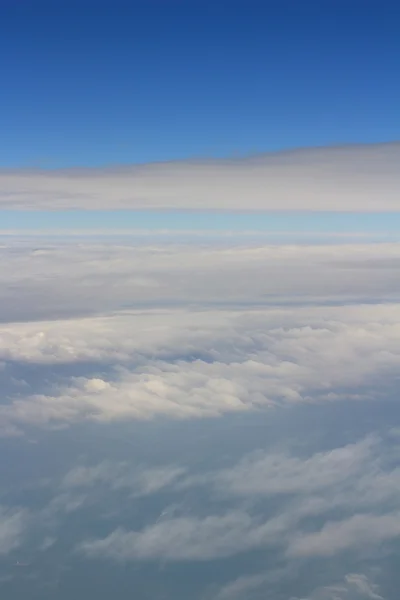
x=206 y=337
x=357 y=178
x=188 y=364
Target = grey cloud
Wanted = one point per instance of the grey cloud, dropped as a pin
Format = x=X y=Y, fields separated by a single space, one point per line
x=140 y=481
x=242 y=586
x=363 y=585
x=360 y=178
x=79 y=279
x=355 y=586
x=47 y=543
x=356 y=532
x=13 y=526
x=204 y=360
x=350 y=479
x=189 y=538
x=270 y=474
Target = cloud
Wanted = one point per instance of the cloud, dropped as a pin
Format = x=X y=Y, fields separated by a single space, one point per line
x=178 y=332
x=235 y=532
x=140 y=481
x=195 y=364
x=349 y=178
x=355 y=586
x=188 y=538
x=358 y=531
x=242 y=586
x=267 y=474
x=41 y=281
x=353 y=481
x=47 y=543
x=365 y=587
x=13 y=525
x=213 y=329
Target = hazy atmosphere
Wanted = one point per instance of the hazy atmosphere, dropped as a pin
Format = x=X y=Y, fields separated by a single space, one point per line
x=199 y=300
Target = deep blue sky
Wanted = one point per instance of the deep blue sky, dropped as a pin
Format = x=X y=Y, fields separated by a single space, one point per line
x=94 y=82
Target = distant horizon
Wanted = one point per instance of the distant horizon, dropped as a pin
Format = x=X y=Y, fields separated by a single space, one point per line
x=200 y=159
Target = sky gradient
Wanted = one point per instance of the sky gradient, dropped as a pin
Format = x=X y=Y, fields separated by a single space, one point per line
x=93 y=83
x=199 y=300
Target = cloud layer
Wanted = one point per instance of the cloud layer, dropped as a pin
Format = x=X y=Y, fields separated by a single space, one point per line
x=171 y=405
x=51 y=281
x=199 y=364
x=216 y=340
x=349 y=178
x=356 y=483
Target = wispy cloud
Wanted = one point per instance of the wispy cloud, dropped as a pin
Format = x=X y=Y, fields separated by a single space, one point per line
x=355 y=586
x=351 y=481
x=118 y=476
x=13 y=525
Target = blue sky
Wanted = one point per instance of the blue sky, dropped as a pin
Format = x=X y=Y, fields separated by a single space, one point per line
x=93 y=83
x=278 y=222
x=90 y=84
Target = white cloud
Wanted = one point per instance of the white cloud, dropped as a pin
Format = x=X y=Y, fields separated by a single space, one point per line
x=190 y=364
x=183 y=364
x=360 y=178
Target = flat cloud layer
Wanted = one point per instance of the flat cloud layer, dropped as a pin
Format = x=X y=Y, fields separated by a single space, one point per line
x=348 y=178
x=46 y=281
